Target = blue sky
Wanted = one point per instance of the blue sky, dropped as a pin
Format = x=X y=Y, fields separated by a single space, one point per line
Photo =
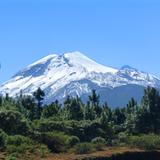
x=112 y=32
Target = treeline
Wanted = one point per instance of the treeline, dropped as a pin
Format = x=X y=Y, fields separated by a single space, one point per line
x=61 y=126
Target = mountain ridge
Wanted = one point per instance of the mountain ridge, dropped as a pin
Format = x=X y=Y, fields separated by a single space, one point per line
x=74 y=73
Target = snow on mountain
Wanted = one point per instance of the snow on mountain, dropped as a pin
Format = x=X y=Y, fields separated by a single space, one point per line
x=73 y=74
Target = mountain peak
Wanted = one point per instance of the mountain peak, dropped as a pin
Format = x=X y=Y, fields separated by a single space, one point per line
x=74 y=54
x=79 y=59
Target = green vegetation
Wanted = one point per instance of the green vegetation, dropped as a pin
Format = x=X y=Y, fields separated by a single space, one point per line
x=3 y=138
x=98 y=140
x=148 y=142
x=27 y=126
x=84 y=148
x=72 y=141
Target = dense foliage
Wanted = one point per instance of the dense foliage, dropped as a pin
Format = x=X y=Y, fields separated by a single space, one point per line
x=25 y=121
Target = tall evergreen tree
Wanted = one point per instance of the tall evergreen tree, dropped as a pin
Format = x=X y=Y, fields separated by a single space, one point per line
x=39 y=96
x=1 y=101
x=107 y=111
x=119 y=116
x=151 y=109
x=131 y=106
x=73 y=108
x=89 y=113
x=29 y=107
x=51 y=110
x=94 y=100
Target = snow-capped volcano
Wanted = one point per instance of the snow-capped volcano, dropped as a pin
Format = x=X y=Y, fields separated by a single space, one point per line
x=75 y=74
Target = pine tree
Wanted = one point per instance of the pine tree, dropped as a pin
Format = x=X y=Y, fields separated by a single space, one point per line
x=73 y=108
x=119 y=116
x=89 y=113
x=104 y=119
x=1 y=101
x=94 y=100
x=28 y=107
x=131 y=106
x=51 y=110
x=107 y=111
x=151 y=109
x=39 y=96
x=7 y=98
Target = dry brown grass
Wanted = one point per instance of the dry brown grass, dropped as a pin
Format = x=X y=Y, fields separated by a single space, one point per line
x=107 y=152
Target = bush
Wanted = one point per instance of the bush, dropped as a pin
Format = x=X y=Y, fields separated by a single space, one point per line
x=98 y=140
x=3 y=137
x=43 y=150
x=11 y=157
x=48 y=125
x=148 y=142
x=72 y=141
x=12 y=123
x=99 y=146
x=18 y=140
x=16 y=150
x=84 y=148
x=99 y=143
x=120 y=140
x=18 y=144
x=122 y=137
x=54 y=140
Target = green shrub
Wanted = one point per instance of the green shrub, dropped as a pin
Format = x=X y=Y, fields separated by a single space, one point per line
x=99 y=143
x=18 y=145
x=21 y=149
x=120 y=140
x=11 y=157
x=43 y=151
x=84 y=148
x=47 y=125
x=13 y=122
x=72 y=141
x=3 y=137
x=122 y=137
x=98 y=140
x=18 y=140
x=54 y=140
x=99 y=146
x=148 y=142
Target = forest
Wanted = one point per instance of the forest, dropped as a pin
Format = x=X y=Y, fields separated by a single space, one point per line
x=28 y=126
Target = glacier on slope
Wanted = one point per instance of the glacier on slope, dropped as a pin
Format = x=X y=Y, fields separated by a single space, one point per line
x=75 y=74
